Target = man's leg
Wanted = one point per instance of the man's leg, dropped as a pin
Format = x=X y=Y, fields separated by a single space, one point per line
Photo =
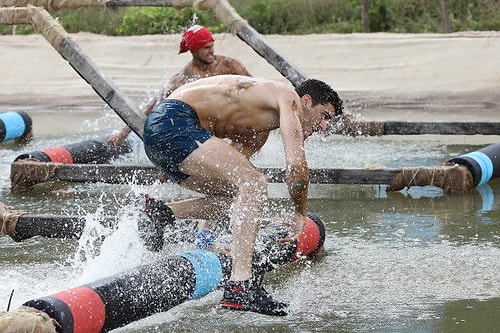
x=215 y=208
x=216 y=162
x=215 y=168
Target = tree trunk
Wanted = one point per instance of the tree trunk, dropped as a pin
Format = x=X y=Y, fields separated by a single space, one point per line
x=444 y=16
x=364 y=15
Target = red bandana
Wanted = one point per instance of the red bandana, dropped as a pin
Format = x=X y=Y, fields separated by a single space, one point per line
x=195 y=38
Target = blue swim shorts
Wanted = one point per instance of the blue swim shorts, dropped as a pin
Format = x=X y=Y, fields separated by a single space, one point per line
x=171 y=133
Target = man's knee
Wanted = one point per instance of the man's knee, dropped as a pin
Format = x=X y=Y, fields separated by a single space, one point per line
x=255 y=184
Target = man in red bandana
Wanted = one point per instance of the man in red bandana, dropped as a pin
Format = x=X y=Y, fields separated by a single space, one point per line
x=200 y=42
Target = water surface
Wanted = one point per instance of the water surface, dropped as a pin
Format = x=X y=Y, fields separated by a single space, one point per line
x=410 y=261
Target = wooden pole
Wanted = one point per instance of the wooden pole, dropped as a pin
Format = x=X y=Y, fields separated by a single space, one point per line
x=250 y=36
x=52 y=4
x=441 y=128
x=346 y=125
x=26 y=226
x=39 y=172
x=53 y=226
x=153 y=3
x=83 y=65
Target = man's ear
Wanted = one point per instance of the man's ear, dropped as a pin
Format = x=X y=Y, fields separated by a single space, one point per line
x=306 y=100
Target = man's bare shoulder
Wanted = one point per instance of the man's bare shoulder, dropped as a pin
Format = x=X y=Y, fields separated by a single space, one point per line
x=177 y=79
x=227 y=60
x=228 y=65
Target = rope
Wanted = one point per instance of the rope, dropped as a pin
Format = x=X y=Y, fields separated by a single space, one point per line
x=453 y=179
x=24 y=175
x=8 y=221
x=27 y=319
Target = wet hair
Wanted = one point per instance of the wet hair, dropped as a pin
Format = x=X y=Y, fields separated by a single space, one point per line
x=321 y=93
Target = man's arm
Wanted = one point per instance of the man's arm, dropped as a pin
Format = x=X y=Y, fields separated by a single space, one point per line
x=119 y=138
x=175 y=82
x=297 y=172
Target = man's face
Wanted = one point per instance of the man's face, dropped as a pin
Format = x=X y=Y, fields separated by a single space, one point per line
x=205 y=54
x=323 y=115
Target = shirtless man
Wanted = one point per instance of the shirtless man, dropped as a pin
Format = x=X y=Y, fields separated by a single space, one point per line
x=200 y=42
x=203 y=135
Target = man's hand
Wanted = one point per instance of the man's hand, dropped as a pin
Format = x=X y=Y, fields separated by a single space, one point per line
x=119 y=138
x=296 y=228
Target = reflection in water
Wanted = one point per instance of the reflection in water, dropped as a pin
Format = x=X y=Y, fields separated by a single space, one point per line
x=488 y=197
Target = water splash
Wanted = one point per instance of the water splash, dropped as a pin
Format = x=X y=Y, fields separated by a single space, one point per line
x=107 y=250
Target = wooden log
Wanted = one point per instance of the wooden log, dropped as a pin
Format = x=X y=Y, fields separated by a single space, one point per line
x=338 y=176
x=441 y=128
x=347 y=125
x=150 y=3
x=105 y=173
x=84 y=66
x=259 y=44
x=26 y=226
x=52 y=226
x=146 y=175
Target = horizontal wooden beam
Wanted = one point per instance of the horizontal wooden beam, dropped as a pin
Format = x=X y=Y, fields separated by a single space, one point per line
x=26 y=173
x=147 y=174
x=441 y=128
x=347 y=125
x=149 y=3
x=338 y=176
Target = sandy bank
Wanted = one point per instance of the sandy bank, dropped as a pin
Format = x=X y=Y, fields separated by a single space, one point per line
x=445 y=70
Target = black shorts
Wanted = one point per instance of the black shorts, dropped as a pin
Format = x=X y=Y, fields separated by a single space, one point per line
x=172 y=132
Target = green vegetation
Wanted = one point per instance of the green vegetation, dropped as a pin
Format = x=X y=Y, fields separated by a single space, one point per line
x=286 y=17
